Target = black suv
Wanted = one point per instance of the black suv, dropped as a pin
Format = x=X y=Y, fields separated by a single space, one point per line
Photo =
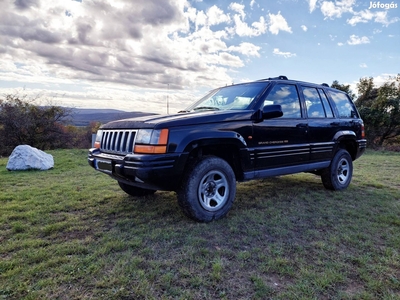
x=245 y=131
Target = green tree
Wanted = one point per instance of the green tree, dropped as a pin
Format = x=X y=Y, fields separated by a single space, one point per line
x=380 y=110
x=22 y=122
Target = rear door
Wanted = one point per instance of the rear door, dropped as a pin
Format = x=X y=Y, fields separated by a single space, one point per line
x=282 y=141
x=321 y=123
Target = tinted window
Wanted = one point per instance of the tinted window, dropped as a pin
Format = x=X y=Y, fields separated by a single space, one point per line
x=285 y=95
x=344 y=105
x=313 y=103
x=328 y=109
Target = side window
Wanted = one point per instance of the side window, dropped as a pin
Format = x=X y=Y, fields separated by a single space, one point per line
x=285 y=95
x=313 y=103
x=344 y=105
x=327 y=106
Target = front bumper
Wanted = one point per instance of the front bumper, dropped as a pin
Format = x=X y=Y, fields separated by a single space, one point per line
x=157 y=172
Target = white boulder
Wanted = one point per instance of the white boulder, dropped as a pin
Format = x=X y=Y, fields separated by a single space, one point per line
x=25 y=157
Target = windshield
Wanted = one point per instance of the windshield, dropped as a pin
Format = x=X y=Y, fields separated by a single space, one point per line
x=236 y=97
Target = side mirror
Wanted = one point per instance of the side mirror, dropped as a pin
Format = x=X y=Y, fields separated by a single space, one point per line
x=272 y=111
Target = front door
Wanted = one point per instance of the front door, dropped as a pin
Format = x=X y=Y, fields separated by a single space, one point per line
x=282 y=141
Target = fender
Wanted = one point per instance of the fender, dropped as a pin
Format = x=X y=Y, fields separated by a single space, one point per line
x=214 y=138
x=344 y=135
x=206 y=138
x=350 y=138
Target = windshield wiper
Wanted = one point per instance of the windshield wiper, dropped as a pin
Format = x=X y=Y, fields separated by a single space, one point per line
x=206 y=107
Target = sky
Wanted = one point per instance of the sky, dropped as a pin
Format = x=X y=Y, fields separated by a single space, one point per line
x=159 y=56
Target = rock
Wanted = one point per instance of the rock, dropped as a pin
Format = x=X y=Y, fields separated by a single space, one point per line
x=25 y=157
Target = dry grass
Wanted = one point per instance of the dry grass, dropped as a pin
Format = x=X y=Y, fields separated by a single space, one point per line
x=71 y=233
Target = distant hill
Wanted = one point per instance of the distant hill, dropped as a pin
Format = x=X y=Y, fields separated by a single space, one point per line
x=83 y=116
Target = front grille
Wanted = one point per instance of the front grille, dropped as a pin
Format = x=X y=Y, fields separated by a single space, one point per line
x=118 y=141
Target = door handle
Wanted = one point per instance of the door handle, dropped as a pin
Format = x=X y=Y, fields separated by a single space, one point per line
x=335 y=124
x=302 y=125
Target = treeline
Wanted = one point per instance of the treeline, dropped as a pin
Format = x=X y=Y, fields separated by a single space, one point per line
x=43 y=127
x=380 y=109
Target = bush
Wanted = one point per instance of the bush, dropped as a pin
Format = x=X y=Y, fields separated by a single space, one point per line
x=43 y=127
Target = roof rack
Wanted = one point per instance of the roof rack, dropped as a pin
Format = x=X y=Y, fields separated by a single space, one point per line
x=280 y=77
x=325 y=84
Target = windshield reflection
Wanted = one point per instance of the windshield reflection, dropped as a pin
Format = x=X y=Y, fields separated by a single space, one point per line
x=234 y=97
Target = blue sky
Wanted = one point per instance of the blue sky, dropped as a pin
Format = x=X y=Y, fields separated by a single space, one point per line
x=139 y=55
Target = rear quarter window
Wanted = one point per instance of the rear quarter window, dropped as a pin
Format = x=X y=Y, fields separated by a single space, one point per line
x=344 y=105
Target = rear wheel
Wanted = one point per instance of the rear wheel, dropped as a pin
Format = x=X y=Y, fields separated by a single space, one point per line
x=134 y=190
x=207 y=190
x=339 y=174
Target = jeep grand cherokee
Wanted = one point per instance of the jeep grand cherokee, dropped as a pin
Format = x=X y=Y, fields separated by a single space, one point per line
x=241 y=132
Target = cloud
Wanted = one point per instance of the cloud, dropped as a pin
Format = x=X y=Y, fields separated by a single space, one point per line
x=361 y=17
x=247 y=49
x=366 y=16
x=356 y=40
x=215 y=16
x=312 y=5
x=241 y=28
x=363 y=65
x=335 y=9
x=239 y=8
x=277 y=22
x=140 y=44
x=332 y=10
x=304 y=27
x=26 y=4
x=277 y=52
x=381 y=17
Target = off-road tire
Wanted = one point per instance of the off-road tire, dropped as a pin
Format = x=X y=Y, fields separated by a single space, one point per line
x=340 y=172
x=135 y=191
x=207 y=190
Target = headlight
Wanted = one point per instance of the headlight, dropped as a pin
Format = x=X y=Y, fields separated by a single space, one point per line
x=97 y=141
x=144 y=136
x=149 y=141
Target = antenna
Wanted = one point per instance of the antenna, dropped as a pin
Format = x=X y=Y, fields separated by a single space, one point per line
x=168 y=101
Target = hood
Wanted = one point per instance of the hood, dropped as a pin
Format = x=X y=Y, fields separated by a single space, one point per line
x=181 y=119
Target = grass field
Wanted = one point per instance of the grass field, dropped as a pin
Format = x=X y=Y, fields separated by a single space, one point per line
x=71 y=233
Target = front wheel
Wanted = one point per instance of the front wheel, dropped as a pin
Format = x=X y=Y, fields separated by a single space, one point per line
x=338 y=175
x=135 y=191
x=207 y=190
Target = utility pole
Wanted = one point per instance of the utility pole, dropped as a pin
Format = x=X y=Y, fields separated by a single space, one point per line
x=168 y=101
